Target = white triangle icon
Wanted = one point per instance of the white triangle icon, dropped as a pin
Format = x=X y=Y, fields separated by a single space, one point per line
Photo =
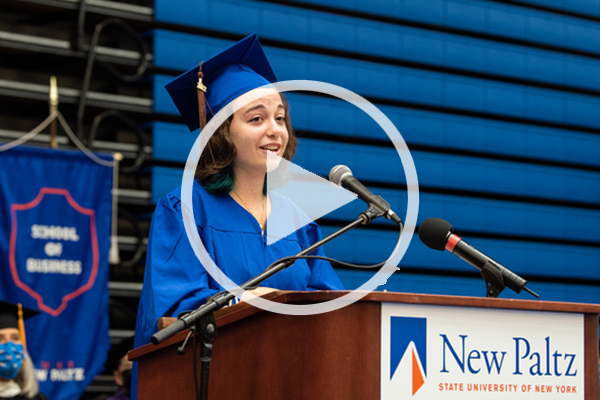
x=298 y=197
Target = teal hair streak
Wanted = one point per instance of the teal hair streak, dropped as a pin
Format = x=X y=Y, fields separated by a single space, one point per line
x=222 y=182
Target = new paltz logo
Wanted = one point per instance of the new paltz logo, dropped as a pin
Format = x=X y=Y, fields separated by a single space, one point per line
x=408 y=351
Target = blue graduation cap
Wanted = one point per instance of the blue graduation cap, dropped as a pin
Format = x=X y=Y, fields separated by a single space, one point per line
x=219 y=80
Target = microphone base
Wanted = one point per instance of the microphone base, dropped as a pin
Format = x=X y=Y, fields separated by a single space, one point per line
x=494 y=281
x=497 y=279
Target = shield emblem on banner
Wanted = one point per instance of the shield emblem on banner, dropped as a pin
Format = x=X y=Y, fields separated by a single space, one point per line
x=53 y=251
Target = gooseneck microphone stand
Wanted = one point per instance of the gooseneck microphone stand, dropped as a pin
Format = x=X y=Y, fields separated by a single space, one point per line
x=202 y=319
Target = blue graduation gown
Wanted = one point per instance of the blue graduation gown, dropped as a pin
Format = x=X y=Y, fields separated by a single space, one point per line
x=175 y=280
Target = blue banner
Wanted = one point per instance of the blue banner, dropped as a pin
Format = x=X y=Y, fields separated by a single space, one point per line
x=55 y=225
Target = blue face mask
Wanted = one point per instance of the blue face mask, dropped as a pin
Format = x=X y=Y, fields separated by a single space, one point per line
x=11 y=359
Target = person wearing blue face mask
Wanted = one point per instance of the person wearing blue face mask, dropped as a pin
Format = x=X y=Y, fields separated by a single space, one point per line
x=17 y=379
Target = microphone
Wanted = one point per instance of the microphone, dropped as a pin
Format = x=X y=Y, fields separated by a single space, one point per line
x=437 y=234
x=342 y=176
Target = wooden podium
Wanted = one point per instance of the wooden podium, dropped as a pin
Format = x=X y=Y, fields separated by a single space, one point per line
x=262 y=355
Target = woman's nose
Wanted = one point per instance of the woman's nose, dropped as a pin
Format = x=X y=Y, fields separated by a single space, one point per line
x=275 y=128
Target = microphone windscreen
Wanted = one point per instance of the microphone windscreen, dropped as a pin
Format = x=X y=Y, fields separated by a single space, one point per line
x=433 y=232
x=337 y=173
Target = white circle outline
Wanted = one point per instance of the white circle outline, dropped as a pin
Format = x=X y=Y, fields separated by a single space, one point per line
x=404 y=239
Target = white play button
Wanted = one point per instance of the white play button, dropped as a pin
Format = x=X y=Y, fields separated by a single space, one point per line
x=298 y=197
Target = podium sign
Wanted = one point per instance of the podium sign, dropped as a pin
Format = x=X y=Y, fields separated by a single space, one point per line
x=430 y=352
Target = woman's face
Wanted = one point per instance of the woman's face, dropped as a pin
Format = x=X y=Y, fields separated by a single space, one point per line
x=11 y=353
x=10 y=335
x=257 y=128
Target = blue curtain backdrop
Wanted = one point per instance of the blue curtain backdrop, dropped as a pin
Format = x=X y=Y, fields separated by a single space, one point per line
x=55 y=220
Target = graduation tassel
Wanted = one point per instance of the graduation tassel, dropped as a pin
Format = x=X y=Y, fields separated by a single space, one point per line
x=21 y=325
x=202 y=107
x=201 y=98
